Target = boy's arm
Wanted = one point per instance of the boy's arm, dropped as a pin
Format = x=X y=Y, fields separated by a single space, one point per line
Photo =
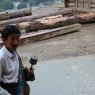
x=2 y=90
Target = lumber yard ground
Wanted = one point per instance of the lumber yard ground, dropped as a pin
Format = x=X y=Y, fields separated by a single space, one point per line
x=77 y=43
x=68 y=45
x=66 y=63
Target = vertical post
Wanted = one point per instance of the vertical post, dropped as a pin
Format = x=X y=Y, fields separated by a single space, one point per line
x=66 y=3
x=76 y=3
x=83 y=3
x=90 y=4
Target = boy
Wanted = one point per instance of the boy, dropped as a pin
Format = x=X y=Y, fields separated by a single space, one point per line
x=10 y=63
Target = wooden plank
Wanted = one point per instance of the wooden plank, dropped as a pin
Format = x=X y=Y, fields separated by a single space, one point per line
x=49 y=34
x=71 y=4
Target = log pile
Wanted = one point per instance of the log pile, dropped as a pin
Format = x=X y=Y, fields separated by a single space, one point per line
x=16 y=16
x=23 y=16
x=29 y=17
x=56 y=21
x=47 y=23
x=25 y=21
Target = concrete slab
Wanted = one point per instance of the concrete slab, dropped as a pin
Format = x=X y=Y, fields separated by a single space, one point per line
x=71 y=76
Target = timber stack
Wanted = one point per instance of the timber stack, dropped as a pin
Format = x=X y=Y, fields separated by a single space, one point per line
x=24 y=20
x=24 y=17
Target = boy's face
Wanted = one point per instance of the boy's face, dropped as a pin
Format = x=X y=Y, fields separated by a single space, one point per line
x=12 y=42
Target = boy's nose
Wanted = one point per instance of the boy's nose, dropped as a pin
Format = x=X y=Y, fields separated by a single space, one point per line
x=16 y=42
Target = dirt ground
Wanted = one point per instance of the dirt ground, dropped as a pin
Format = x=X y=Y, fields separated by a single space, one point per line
x=77 y=43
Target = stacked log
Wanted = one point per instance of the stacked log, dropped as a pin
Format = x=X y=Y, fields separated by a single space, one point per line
x=15 y=20
x=45 y=23
x=30 y=18
x=15 y=14
x=86 y=18
x=18 y=20
x=56 y=21
x=49 y=21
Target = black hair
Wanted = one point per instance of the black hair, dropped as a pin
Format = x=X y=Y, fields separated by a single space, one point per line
x=8 y=30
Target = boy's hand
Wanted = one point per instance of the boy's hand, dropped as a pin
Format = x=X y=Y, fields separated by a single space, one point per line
x=28 y=73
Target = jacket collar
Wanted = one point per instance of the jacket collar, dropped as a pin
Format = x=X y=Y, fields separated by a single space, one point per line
x=7 y=52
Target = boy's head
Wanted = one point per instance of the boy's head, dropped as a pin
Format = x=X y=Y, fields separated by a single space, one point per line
x=11 y=37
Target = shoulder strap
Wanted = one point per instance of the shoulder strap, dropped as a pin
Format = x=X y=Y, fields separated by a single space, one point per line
x=20 y=76
x=22 y=84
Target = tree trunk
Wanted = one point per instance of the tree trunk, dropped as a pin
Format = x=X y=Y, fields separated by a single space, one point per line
x=16 y=20
x=51 y=22
x=31 y=18
x=46 y=23
x=15 y=14
x=65 y=11
x=56 y=21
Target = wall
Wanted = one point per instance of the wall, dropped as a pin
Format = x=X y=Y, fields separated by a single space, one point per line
x=88 y=5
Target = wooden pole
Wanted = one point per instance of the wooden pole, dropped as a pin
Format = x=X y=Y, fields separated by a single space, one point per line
x=16 y=20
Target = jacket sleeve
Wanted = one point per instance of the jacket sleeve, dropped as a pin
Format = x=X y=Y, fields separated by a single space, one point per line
x=2 y=90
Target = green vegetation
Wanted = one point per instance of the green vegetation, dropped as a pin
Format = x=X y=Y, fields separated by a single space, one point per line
x=8 y=4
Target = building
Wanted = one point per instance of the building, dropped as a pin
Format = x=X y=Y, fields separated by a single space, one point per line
x=86 y=5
